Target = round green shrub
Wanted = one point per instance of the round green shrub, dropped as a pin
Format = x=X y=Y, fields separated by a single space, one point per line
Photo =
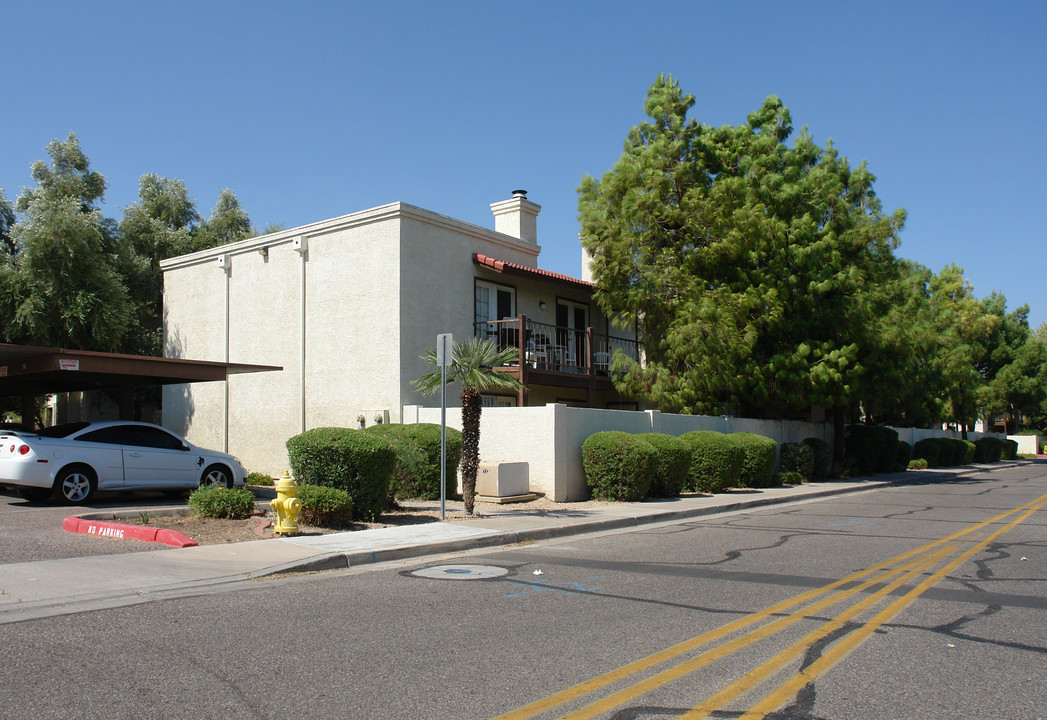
x=1010 y=450
x=903 y=456
x=928 y=449
x=618 y=466
x=673 y=458
x=760 y=456
x=823 y=457
x=918 y=464
x=216 y=501
x=790 y=477
x=417 y=473
x=988 y=449
x=360 y=463
x=325 y=506
x=796 y=458
x=257 y=478
x=716 y=462
x=866 y=446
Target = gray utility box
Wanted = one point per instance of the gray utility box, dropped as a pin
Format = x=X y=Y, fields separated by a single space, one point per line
x=502 y=479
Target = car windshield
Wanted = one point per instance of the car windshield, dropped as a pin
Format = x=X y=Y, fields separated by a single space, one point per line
x=61 y=431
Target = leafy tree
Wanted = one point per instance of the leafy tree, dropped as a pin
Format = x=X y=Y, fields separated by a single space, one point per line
x=7 y=221
x=472 y=367
x=902 y=385
x=228 y=223
x=157 y=227
x=61 y=288
x=748 y=267
x=962 y=328
x=1013 y=366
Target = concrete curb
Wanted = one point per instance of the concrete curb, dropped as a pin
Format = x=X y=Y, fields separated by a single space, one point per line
x=344 y=560
x=121 y=531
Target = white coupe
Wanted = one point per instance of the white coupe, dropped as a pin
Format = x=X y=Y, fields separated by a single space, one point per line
x=74 y=460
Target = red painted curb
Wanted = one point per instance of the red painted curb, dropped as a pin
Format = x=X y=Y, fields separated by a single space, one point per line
x=121 y=531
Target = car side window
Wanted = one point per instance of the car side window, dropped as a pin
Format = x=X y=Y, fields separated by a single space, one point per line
x=157 y=438
x=113 y=435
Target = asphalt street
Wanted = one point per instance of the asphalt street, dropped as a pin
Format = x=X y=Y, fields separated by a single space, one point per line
x=915 y=601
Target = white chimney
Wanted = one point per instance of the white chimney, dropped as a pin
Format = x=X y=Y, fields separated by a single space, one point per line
x=517 y=217
x=587 y=262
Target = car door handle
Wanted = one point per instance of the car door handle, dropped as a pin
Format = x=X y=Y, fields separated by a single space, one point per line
x=135 y=454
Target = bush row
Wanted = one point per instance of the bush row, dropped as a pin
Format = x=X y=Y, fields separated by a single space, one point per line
x=375 y=466
x=625 y=467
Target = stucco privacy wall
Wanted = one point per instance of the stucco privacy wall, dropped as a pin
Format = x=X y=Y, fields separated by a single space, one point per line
x=550 y=438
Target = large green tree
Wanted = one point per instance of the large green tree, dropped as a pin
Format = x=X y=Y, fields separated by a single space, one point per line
x=7 y=222
x=227 y=223
x=962 y=329
x=158 y=226
x=472 y=367
x=61 y=288
x=749 y=267
x=1014 y=366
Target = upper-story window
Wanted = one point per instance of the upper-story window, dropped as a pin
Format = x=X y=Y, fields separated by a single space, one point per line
x=494 y=302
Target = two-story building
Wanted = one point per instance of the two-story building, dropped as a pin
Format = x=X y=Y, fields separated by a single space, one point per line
x=347 y=306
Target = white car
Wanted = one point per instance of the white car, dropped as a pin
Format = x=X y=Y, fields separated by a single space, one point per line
x=74 y=460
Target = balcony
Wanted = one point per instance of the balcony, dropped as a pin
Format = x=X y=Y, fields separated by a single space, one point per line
x=557 y=356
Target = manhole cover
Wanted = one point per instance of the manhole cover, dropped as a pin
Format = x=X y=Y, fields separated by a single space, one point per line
x=461 y=572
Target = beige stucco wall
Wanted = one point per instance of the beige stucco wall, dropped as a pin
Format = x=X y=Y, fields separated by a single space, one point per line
x=347 y=319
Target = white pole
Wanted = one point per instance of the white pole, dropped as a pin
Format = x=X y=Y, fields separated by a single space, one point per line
x=443 y=357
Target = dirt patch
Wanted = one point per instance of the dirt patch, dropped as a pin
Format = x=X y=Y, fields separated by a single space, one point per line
x=207 y=531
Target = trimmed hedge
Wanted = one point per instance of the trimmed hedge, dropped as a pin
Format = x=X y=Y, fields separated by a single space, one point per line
x=823 y=457
x=869 y=448
x=360 y=463
x=417 y=472
x=716 y=462
x=902 y=457
x=618 y=465
x=988 y=449
x=325 y=506
x=673 y=462
x=928 y=449
x=1010 y=450
x=945 y=451
x=760 y=455
x=218 y=501
x=796 y=458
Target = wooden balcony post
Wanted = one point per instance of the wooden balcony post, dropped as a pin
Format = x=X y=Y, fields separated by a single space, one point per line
x=521 y=399
x=591 y=392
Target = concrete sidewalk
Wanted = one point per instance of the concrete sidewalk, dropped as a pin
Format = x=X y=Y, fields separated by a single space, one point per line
x=56 y=587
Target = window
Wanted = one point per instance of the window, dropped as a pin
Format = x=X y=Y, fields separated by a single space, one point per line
x=494 y=302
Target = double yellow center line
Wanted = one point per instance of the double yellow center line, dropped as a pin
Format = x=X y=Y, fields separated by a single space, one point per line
x=891 y=574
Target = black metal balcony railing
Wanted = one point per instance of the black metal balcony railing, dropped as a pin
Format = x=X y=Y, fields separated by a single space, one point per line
x=557 y=349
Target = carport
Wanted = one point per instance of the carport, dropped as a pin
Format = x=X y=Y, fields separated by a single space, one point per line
x=29 y=372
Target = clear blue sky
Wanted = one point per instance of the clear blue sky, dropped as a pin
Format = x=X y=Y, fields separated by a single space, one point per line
x=311 y=110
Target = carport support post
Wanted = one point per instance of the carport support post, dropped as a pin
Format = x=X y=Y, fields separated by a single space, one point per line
x=127 y=402
x=29 y=410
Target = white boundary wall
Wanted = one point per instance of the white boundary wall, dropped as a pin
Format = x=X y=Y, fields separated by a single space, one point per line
x=549 y=439
x=1027 y=444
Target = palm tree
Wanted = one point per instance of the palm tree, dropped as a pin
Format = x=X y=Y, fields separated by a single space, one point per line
x=472 y=367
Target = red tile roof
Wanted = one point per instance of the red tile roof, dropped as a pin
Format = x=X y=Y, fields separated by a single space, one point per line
x=509 y=268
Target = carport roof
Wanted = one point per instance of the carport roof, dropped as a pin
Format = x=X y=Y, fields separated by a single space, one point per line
x=25 y=369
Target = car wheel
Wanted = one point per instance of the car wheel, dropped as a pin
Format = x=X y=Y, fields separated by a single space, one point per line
x=217 y=475
x=74 y=485
x=34 y=494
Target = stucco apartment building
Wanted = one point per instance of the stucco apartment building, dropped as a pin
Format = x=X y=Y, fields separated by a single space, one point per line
x=347 y=306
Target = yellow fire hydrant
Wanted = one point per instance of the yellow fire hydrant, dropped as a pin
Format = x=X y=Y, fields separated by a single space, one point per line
x=286 y=506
